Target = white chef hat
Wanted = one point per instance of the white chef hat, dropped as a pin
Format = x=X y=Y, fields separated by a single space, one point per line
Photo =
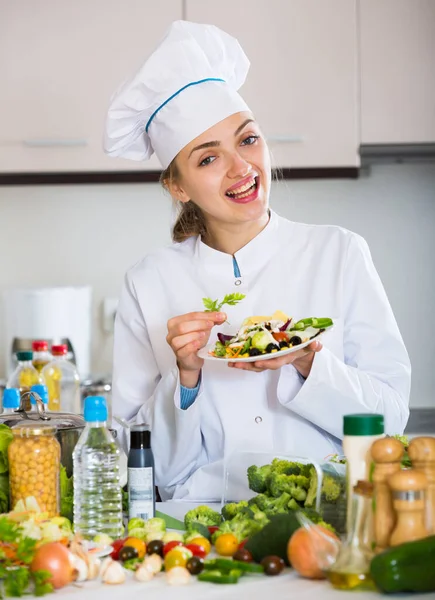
x=187 y=85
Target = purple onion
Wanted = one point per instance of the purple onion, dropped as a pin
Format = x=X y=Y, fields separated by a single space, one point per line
x=284 y=327
x=224 y=338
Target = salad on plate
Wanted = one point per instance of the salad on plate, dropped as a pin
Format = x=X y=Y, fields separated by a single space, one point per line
x=261 y=336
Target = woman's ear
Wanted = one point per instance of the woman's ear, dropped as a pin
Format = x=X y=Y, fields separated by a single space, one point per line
x=177 y=192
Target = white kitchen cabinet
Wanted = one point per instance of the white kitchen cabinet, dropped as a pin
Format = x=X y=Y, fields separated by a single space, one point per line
x=60 y=62
x=302 y=85
x=397 y=58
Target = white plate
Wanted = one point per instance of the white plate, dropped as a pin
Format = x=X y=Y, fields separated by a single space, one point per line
x=204 y=352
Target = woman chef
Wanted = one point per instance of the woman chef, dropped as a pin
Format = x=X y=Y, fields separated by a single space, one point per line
x=184 y=106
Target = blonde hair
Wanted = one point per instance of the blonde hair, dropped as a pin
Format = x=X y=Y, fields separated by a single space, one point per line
x=190 y=220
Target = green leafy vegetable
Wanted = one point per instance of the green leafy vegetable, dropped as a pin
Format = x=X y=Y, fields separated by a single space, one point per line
x=6 y=438
x=66 y=494
x=41 y=580
x=16 y=582
x=215 y=306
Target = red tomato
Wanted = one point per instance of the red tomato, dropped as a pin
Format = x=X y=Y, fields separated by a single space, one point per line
x=170 y=545
x=116 y=545
x=212 y=529
x=197 y=550
x=280 y=336
x=242 y=543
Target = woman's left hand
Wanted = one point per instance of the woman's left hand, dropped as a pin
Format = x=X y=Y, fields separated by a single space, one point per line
x=302 y=361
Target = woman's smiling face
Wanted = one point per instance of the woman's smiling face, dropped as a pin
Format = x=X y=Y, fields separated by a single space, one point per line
x=226 y=172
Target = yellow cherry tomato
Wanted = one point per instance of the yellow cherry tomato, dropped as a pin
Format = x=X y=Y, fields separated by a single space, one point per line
x=202 y=541
x=175 y=558
x=226 y=544
x=140 y=545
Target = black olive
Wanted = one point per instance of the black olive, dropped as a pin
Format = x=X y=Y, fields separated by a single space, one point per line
x=273 y=565
x=155 y=547
x=283 y=344
x=271 y=347
x=268 y=327
x=243 y=555
x=295 y=340
x=127 y=553
x=254 y=352
x=195 y=565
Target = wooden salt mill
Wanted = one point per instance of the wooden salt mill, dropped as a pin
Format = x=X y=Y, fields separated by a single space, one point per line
x=408 y=489
x=387 y=454
x=421 y=451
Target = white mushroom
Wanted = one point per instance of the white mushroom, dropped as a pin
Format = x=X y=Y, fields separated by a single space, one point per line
x=178 y=576
x=114 y=573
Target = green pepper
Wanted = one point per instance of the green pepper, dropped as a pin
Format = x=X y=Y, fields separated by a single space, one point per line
x=216 y=576
x=322 y=323
x=226 y=564
x=406 y=568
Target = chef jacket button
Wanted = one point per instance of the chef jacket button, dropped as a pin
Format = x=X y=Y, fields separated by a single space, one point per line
x=238 y=282
x=258 y=419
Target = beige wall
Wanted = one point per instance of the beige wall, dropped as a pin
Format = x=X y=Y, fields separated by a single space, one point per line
x=76 y=235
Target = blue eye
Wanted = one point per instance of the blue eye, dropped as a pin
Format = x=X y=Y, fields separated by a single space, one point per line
x=250 y=140
x=207 y=161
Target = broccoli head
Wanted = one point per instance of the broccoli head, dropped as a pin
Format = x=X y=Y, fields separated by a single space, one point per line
x=287 y=467
x=230 y=510
x=317 y=519
x=331 y=490
x=257 y=478
x=295 y=485
x=201 y=514
x=243 y=525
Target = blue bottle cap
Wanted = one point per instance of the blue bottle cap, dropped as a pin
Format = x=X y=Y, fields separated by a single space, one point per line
x=95 y=409
x=11 y=398
x=42 y=391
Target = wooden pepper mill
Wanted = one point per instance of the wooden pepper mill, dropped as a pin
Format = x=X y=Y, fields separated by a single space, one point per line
x=408 y=489
x=387 y=454
x=421 y=451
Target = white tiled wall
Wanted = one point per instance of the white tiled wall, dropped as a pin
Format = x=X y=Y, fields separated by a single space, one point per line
x=75 y=235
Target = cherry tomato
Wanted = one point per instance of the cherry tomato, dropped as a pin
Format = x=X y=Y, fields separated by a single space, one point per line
x=170 y=546
x=212 y=529
x=201 y=541
x=195 y=565
x=174 y=558
x=116 y=545
x=127 y=553
x=226 y=544
x=273 y=565
x=280 y=336
x=243 y=555
x=140 y=545
x=197 y=550
x=155 y=547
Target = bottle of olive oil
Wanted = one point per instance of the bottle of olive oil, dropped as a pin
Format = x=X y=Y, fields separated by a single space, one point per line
x=24 y=376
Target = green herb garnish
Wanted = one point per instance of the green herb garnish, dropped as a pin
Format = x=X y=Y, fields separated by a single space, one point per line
x=215 y=305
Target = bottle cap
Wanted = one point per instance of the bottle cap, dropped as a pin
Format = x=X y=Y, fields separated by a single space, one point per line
x=363 y=424
x=59 y=349
x=140 y=436
x=42 y=391
x=95 y=409
x=11 y=398
x=24 y=355
x=39 y=346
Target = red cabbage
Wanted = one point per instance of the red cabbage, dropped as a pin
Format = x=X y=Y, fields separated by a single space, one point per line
x=284 y=327
x=224 y=338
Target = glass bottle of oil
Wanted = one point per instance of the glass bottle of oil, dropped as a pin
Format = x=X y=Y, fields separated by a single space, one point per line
x=41 y=355
x=351 y=570
x=24 y=376
x=63 y=382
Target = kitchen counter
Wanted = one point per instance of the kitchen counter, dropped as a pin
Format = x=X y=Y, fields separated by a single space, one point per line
x=286 y=585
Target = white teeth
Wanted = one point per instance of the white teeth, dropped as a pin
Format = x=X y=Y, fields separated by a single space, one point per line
x=242 y=189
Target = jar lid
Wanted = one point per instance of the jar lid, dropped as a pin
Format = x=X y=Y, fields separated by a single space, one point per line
x=39 y=345
x=363 y=424
x=24 y=355
x=30 y=428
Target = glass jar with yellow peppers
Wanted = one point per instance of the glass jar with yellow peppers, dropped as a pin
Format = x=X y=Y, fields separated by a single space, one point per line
x=34 y=463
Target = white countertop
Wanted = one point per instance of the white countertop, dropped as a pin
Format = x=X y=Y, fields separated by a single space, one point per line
x=287 y=585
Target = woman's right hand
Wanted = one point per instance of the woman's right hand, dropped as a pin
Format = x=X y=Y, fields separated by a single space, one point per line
x=186 y=335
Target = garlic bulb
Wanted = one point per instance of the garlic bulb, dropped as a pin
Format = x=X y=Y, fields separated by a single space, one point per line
x=114 y=573
x=153 y=563
x=79 y=566
x=94 y=566
x=178 y=576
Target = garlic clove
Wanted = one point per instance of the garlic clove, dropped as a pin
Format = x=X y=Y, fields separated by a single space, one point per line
x=94 y=567
x=178 y=576
x=143 y=574
x=153 y=563
x=79 y=566
x=114 y=573
x=106 y=562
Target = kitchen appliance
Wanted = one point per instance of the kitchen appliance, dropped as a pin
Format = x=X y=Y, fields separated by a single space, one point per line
x=59 y=315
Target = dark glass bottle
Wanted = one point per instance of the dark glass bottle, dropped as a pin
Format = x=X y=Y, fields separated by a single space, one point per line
x=140 y=465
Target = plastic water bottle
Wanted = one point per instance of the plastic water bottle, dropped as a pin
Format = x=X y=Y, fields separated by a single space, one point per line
x=97 y=488
x=11 y=400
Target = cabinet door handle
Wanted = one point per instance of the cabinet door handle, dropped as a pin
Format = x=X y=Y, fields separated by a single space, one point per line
x=285 y=139
x=54 y=143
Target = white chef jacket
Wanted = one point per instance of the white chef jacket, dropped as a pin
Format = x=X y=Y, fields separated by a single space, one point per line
x=303 y=270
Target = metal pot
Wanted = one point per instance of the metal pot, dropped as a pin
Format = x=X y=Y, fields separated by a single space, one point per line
x=69 y=426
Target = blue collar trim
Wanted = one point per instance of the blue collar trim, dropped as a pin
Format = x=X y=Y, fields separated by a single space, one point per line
x=176 y=94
